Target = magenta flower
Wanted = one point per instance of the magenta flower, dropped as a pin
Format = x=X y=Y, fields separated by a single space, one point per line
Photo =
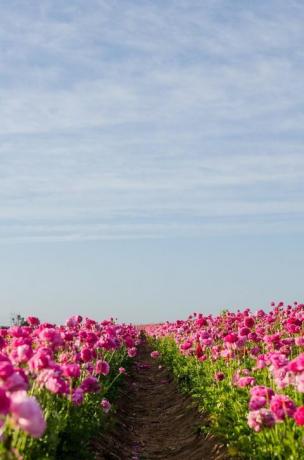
x=132 y=352
x=86 y=355
x=282 y=406
x=32 y=321
x=299 y=416
x=218 y=376
x=261 y=418
x=6 y=369
x=261 y=390
x=102 y=367
x=106 y=405
x=90 y=385
x=27 y=414
x=77 y=396
x=4 y=402
x=71 y=370
x=154 y=354
x=257 y=402
x=245 y=381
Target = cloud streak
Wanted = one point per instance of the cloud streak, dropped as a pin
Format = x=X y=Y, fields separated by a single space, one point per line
x=150 y=119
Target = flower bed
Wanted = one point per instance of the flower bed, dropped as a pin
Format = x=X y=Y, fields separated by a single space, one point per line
x=247 y=372
x=57 y=385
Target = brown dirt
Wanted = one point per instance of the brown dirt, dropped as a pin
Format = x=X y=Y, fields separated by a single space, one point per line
x=155 y=421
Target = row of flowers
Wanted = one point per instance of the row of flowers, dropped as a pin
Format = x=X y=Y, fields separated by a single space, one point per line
x=51 y=375
x=250 y=364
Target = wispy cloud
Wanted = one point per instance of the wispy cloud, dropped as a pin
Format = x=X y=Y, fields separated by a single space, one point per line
x=146 y=119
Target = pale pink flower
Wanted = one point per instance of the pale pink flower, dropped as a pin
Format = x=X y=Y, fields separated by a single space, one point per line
x=132 y=352
x=27 y=414
x=261 y=418
x=106 y=405
x=155 y=354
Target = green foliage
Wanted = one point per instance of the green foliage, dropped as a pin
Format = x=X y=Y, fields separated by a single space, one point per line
x=70 y=428
x=226 y=406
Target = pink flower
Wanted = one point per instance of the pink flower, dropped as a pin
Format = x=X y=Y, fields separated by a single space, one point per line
x=299 y=341
x=231 y=338
x=71 y=370
x=73 y=321
x=4 y=402
x=32 y=321
x=218 y=376
x=245 y=381
x=297 y=364
x=102 y=367
x=77 y=396
x=155 y=354
x=106 y=405
x=27 y=414
x=40 y=360
x=23 y=353
x=86 y=355
x=122 y=370
x=186 y=345
x=282 y=406
x=249 y=322
x=56 y=385
x=90 y=385
x=261 y=390
x=16 y=381
x=244 y=331
x=132 y=352
x=50 y=335
x=261 y=418
x=6 y=369
x=257 y=402
x=299 y=416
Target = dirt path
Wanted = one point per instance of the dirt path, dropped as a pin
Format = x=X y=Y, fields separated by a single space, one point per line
x=154 y=421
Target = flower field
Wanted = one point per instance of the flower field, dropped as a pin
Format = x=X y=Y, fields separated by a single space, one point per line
x=56 y=385
x=246 y=370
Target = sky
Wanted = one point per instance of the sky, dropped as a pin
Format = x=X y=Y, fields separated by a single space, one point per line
x=151 y=157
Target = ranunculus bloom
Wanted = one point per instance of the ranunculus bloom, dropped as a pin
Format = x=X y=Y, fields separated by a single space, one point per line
x=299 y=415
x=282 y=406
x=86 y=355
x=6 y=369
x=261 y=418
x=261 y=390
x=16 y=381
x=155 y=354
x=106 y=405
x=249 y=321
x=77 y=396
x=132 y=352
x=122 y=370
x=186 y=345
x=4 y=402
x=245 y=381
x=257 y=402
x=218 y=376
x=33 y=321
x=231 y=338
x=90 y=385
x=27 y=414
x=102 y=367
x=71 y=370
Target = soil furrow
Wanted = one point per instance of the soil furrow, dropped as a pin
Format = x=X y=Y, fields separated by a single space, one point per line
x=154 y=420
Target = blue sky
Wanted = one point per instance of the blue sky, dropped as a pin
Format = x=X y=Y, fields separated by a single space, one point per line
x=151 y=156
